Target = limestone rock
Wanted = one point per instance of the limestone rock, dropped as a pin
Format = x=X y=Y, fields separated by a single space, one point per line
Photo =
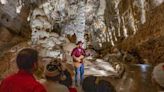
x=69 y=47
x=54 y=35
x=91 y=52
x=37 y=12
x=148 y=41
x=5 y=35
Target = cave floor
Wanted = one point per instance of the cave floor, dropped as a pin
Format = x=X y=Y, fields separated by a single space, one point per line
x=137 y=78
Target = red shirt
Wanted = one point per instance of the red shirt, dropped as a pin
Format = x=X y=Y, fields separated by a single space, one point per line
x=77 y=52
x=72 y=90
x=21 y=82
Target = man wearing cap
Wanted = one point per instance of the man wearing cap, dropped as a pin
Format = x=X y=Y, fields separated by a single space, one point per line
x=53 y=74
x=78 y=54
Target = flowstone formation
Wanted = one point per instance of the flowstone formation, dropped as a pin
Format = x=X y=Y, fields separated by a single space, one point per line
x=69 y=17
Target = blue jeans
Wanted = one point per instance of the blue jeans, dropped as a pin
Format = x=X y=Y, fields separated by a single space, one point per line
x=79 y=71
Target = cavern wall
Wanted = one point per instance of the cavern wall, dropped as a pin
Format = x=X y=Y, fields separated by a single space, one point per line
x=103 y=24
x=137 y=27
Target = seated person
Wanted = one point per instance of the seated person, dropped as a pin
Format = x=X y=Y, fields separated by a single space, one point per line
x=89 y=84
x=68 y=81
x=53 y=74
x=158 y=76
x=23 y=80
x=105 y=86
x=94 y=84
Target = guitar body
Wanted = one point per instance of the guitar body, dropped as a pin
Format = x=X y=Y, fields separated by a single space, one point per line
x=77 y=61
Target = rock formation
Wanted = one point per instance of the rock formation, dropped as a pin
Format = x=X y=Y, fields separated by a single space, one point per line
x=133 y=26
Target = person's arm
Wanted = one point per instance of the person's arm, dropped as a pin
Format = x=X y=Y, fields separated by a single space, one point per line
x=73 y=55
x=77 y=59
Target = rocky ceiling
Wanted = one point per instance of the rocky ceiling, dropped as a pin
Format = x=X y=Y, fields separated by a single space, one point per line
x=130 y=25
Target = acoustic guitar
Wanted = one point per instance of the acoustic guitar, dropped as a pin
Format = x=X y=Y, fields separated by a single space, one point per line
x=77 y=61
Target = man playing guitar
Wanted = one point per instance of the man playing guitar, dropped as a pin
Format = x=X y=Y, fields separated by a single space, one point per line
x=78 y=54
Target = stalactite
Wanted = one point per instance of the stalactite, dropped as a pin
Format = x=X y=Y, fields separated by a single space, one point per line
x=132 y=23
x=111 y=38
x=116 y=2
x=113 y=30
x=80 y=22
x=108 y=36
x=143 y=16
x=124 y=28
x=119 y=25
